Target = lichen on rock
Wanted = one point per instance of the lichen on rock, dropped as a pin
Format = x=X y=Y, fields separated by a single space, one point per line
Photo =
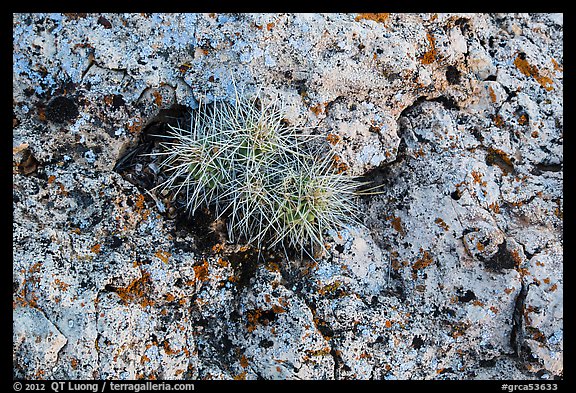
x=455 y=273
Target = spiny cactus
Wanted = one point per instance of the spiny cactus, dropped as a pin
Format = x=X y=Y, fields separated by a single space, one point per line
x=245 y=162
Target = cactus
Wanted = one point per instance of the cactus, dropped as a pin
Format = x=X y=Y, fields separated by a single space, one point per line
x=275 y=188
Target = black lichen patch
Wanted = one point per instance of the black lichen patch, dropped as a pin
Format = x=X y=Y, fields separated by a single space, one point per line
x=417 y=342
x=61 y=109
x=456 y=194
x=245 y=261
x=200 y=226
x=501 y=260
x=452 y=75
x=324 y=329
x=115 y=242
x=117 y=102
x=538 y=169
x=266 y=343
x=466 y=297
x=104 y=22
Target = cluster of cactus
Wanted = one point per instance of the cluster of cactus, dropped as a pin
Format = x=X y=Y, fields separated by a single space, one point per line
x=274 y=187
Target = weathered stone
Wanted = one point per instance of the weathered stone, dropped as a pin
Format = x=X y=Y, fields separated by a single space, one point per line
x=456 y=272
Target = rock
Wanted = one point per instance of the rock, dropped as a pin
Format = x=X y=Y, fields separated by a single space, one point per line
x=36 y=341
x=455 y=271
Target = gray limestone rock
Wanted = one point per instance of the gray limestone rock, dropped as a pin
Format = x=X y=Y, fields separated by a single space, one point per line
x=455 y=271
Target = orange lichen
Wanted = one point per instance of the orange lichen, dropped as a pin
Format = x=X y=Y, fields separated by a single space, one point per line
x=396 y=223
x=523 y=119
x=557 y=67
x=222 y=262
x=553 y=288
x=95 y=248
x=423 y=262
x=269 y=26
x=318 y=109
x=51 y=179
x=135 y=126
x=419 y=153
x=429 y=56
x=62 y=190
x=243 y=361
x=532 y=71
x=259 y=316
x=523 y=271
x=388 y=324
x=498 y=121
x=338 y=164
x=492 y=94
x=157 y=97
x=501 y=159
x=162 y=255
x=241 y=376
x=329 y=288
x=26 y=296
x=61 y=284
x=477 y=176
x=442 y=224
x=376 y=17
x=494 y=207
x=516 y=257
x=253 y=317
x=169 y=297
x=333 y=139
x=168 y=350
x=216 y=248
x=139 y=203
x=139 y=209
x=201 y=271
x=137 y=291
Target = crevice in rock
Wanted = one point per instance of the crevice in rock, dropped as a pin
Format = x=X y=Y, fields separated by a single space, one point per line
x=517 y=335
